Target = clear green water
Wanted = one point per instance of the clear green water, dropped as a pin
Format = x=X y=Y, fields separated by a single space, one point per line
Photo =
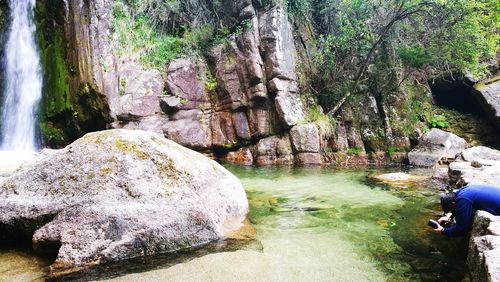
x=315 y=225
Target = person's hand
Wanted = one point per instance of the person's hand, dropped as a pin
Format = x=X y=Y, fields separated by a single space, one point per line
x=443 y=220
x=439 y=230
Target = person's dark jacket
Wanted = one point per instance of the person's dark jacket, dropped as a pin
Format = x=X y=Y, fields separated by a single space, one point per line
x=470 y=199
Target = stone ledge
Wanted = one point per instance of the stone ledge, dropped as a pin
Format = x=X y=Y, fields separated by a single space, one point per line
x=483 y=258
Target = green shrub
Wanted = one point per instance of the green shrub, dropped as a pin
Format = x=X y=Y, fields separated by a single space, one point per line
x=52 y=135
x=439 y=121
x=355 y=151
x=393 y=150
x=326 y=124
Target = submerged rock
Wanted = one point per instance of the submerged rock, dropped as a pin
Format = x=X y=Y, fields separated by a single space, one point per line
x=241 y=157
x=399 y=179
x=434 y=146
x=116 y=195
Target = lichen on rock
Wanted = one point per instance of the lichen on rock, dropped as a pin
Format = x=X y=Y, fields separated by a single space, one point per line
x=116 y=195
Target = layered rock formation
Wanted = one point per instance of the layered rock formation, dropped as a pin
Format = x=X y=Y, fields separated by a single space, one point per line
x=223 y=103
x=257 y=93
x=116 y=195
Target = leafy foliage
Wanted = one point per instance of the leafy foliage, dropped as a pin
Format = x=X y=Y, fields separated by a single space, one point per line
x=355 y=151
x=439 y=121
x=458 y=35
x=434 y=38
x=325 y=123
x=298 y=7
x=415 y=56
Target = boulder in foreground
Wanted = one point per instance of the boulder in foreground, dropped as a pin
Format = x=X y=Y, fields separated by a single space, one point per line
x=119 y=194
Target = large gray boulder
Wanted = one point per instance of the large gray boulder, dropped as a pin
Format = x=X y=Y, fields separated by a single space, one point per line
x=481 y=154
x=434 y=146
x=116 y=195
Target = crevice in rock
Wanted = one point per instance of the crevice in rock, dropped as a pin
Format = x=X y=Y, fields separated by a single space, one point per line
x=18 y=235
x=456 y=94
x=49 y=249
x=20 y=231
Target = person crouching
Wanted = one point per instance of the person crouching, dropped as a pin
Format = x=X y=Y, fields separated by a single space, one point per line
x=460 y=207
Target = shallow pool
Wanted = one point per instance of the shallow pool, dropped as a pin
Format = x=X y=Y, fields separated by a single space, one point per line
x=314 y=225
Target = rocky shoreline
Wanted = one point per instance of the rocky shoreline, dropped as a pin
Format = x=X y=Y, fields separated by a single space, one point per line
x=480 y=165
x=443 y=152
x=460 y=166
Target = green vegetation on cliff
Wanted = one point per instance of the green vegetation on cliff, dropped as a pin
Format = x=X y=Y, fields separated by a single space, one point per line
x=56 y=100
x=138 y=30
x=70 y=107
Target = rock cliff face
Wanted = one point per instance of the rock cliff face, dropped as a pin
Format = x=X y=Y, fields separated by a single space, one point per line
x=245 y=95
x=80 y=86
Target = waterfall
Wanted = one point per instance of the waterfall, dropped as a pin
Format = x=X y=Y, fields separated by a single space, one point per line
x=23 y=80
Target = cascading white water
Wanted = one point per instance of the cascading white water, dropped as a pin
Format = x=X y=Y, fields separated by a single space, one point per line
x=23 y=80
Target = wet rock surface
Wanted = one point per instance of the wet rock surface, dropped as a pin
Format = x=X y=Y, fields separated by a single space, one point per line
x=116 y=195
x=241 y=157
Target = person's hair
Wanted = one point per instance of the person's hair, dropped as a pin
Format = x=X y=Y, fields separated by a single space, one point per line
x=448 y=201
